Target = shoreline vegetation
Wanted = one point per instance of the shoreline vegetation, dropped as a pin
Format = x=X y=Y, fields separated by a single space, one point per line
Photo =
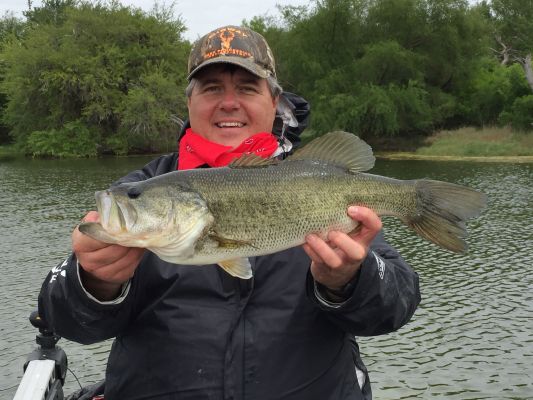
x=464 y=144
x=467 y=144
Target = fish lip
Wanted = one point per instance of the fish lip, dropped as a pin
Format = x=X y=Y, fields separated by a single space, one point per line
x=103 y=205
x=111 y=212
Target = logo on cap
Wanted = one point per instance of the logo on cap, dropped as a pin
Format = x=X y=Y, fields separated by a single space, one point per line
x=226 y=36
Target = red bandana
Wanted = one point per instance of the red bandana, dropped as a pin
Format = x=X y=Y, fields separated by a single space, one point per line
x=195 y=150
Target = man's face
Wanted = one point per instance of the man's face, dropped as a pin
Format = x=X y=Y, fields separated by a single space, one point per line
x=229 y=105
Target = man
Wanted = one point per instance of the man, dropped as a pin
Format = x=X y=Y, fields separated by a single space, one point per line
x=196 y=332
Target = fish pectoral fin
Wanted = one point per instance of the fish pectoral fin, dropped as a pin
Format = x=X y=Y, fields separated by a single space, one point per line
x=239 y=267
x=228 y=243
x=252 y=160
x=96 y=231
x=339 y=148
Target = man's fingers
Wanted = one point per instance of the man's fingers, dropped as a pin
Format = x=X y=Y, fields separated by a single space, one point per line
x=337 y=260
x=370 y=223
x=312 y=254
x=82 y=243
x=120 y=270
x=91 y=216
x=116 y=270
x=94 y=259
x=354 y=250
x=324 y=252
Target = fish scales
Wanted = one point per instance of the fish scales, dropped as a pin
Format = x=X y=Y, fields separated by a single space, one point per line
x=274 y=208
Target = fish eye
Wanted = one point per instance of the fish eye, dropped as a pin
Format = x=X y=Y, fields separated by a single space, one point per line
x=134 y=192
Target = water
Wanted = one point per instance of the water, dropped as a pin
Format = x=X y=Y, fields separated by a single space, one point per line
x=471 y=338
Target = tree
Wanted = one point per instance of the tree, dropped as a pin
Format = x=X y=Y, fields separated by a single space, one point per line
x=11 y=29
x=91 y=64
x=513 y=33
x=412 y=58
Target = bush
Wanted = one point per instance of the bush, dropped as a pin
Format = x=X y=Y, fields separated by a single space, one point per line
x=73 y=140
x=520 y=115
x=376 y=110
x=369 y=112
x=493 y=91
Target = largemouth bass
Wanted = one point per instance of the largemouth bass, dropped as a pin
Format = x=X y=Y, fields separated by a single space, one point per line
x=256 y=206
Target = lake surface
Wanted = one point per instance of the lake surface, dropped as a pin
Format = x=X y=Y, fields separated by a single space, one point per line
x=471 y=338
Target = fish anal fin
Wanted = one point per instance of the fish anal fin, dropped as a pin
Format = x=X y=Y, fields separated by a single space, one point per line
x=339 y=148
x=239 y=267
x=251 y=160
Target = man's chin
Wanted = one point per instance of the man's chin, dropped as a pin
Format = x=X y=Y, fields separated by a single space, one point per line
x=230 y=136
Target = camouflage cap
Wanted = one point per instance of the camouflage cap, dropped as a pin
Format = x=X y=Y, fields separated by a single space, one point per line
x=233 y=45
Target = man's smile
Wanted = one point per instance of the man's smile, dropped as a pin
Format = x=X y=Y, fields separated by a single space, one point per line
x=230 y=124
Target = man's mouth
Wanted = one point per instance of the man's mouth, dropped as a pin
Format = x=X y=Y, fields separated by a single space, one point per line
x=234 y=124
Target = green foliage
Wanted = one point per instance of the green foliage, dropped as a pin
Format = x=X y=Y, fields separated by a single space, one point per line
x=371 y=111
x=74 y=139
x=520 y=114
x=388 y=62
x=118 y=143
x=11 y=30
x=145 y=111
x=51 y=12
x=513 y=22
x=94 y=63
x=386 y=67
x=493 y=88
x=376 y=110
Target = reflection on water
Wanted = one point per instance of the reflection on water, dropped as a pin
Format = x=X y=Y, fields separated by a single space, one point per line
x=471 y=338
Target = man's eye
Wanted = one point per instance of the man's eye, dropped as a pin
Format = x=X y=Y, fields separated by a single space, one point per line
x=212 y=89
x=248 y=89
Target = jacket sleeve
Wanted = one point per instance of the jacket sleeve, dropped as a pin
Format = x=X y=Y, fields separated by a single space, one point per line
x=385 y=294
x=69 y=310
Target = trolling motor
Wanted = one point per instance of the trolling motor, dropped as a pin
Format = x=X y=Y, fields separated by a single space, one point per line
x=45 y=367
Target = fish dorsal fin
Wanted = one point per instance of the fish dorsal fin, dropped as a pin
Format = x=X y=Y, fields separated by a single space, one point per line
x=251 y=160
x=339 y=148
x=239 y=267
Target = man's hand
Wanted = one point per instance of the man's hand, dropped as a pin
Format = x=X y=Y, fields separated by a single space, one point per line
x=105 y=267
x=336 y=261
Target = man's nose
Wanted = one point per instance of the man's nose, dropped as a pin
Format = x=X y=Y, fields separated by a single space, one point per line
x=229 y=101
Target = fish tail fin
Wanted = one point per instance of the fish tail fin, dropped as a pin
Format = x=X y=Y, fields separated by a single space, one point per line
x=442 y=210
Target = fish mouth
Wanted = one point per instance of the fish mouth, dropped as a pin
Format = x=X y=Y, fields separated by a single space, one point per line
x=114 y=216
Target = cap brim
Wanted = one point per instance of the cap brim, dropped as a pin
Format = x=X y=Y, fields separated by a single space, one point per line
x=245 y=63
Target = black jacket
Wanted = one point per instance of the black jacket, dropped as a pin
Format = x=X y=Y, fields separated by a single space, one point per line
x=195 y=332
